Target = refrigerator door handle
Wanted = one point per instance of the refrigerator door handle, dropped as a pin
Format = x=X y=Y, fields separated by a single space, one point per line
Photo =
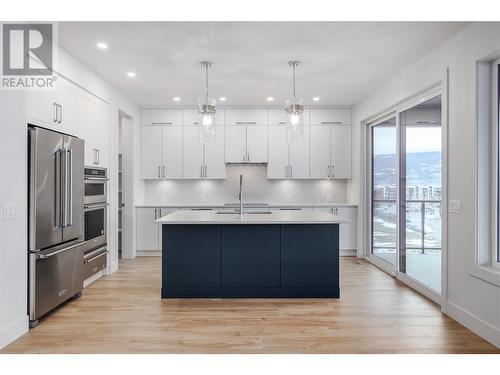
x=64 y=186
x=69 y=188
x=58 y=188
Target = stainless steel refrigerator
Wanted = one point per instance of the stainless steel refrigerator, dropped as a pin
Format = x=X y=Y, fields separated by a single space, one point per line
x=56 y=226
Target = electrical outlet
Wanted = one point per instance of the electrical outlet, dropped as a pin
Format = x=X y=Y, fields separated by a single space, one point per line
x=455 y=206
x=163 y=197
x=288 y=197
x=203 y=197
x=8 y=211
x=328 y=197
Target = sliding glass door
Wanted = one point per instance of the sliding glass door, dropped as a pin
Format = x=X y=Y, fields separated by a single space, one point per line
x=406 y=192
x=384 y=190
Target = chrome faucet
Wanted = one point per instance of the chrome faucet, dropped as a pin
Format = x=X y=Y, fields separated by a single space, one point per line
x=240 y=195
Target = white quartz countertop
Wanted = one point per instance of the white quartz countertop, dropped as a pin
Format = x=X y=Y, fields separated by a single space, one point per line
x=221 y=205
x=275 y=217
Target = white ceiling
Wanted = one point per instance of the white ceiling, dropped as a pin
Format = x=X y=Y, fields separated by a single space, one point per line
x=341 y=62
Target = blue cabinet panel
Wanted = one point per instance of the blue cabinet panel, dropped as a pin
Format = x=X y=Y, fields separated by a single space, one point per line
x=309 y=256
x=250 y=256
x=191 y=256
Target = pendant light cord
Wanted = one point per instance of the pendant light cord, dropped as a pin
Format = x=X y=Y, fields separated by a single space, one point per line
x=206 y=84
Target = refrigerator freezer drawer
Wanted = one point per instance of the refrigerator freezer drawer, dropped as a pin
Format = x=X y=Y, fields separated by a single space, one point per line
x=55 y=277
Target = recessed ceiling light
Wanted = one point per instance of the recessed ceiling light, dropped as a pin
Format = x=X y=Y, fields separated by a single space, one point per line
x=316 y=98
x=177 y=99
x=222 y=99
x=131 y=74
x=102 y=45
x=270 y=99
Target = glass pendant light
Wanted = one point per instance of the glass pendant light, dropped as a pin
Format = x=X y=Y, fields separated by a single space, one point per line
x=295 y=108
x=207 y=109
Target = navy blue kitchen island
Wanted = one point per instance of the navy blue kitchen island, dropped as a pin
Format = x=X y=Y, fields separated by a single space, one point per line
x=284 y=254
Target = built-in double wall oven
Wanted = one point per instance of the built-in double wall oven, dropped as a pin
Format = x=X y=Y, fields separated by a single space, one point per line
x=95 y=219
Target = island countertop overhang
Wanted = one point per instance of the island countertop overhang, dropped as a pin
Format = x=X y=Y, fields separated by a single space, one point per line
x=274 y=217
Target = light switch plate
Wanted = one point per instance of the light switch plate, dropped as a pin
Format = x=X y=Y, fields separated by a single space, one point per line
x=203 y=197
x=163 y=197
x=328 y=197
x=455 y=206
x=288 y=197
x=8 y=211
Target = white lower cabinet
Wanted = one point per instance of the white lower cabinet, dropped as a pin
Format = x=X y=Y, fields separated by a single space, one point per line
x=148 y=232
x=348 y=231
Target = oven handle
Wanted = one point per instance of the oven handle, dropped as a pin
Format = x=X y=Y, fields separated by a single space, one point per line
x=96 y=257
x=96 y=179
x=91 y=207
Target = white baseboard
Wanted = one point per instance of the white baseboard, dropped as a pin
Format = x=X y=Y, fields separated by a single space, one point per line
x=13 y=331
x=478 y=326
x=112 y=268
x=347 y=253
x=148 y=253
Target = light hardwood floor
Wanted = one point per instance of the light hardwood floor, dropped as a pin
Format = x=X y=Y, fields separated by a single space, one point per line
x=123 y=313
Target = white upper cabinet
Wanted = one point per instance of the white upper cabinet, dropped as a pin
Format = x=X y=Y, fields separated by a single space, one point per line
x=161 y=152
x=214 y=166
x=171 y=152
x=257 y=144
x=93 y=124
x=151 y=152
x=298 y=157
x=341 y=152
x=246 y=117
x=330 y=116
x=192 y=117
x=161 y=117
x=55 y=109
x=320 y=151
x=192 y=153
x=278 y=116
x=246 y=144
x=68 y=100
x=236 y=143
x=277 y=166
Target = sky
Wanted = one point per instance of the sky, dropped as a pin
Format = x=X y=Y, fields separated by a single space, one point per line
x=419 y=139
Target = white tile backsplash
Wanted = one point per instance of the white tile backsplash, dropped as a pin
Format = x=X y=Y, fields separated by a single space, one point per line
x=256 y=188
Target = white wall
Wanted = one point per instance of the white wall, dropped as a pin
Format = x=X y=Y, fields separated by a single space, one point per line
x=13 y=188
x=13 y=232
x=471 y=301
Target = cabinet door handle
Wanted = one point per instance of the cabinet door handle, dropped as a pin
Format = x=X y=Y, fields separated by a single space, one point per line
x=56 y=112
x=240 y=123
x=331 y=122
x=164 y=169
x=328 y=170
x=156 y=214
x=161 y=123
x=159 y=171
x=205 y=171
x=248 y=155
x=201 y=171
x=98 y=157
x=281 y=122
x=251 y=123
x=244 y=155
x=60 y=114
x=332 y=173
x=291 y=171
